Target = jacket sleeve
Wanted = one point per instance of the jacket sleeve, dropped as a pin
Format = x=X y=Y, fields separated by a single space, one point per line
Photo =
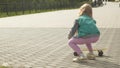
x=73 y=29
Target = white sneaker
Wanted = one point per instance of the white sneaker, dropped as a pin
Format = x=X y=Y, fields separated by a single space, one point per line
x=91 y=56
x=79 y=58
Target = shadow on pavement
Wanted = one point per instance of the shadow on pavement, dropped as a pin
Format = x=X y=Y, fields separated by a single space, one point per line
x=101 y=64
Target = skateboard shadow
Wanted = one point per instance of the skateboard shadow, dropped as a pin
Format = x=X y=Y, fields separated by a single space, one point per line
x=104 y=56
x=101 y=64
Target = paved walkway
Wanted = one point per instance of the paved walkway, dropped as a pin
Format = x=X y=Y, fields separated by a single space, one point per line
x=48 y=48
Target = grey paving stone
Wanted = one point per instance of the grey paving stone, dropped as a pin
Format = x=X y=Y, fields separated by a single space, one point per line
x=56 y=54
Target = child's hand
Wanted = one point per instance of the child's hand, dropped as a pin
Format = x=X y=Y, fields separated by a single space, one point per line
x=69 y=37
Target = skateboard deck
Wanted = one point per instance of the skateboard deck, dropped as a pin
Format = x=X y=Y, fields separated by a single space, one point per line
x=94 y=49
x=99 y=50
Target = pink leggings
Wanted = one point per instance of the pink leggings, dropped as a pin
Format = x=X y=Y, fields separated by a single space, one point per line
x=73 y=43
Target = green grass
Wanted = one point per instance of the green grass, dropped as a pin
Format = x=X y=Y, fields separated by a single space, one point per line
x=4 y=14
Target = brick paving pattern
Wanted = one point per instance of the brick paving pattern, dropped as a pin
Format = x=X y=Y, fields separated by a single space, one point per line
x=48 y=48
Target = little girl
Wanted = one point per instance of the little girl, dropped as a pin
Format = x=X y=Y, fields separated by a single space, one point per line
x=87 y=32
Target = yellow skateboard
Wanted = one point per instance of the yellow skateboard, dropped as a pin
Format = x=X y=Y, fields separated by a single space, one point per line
x=100 y=51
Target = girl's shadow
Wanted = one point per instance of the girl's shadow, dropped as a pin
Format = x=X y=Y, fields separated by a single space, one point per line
x=102 y=62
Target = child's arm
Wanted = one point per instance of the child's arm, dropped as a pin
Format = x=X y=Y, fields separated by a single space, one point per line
x=73 y=29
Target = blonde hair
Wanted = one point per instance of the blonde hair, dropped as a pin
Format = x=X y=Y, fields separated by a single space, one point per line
x=86 y=9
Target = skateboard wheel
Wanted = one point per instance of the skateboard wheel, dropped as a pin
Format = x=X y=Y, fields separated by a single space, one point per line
x=100 y=53
x=75 y=54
